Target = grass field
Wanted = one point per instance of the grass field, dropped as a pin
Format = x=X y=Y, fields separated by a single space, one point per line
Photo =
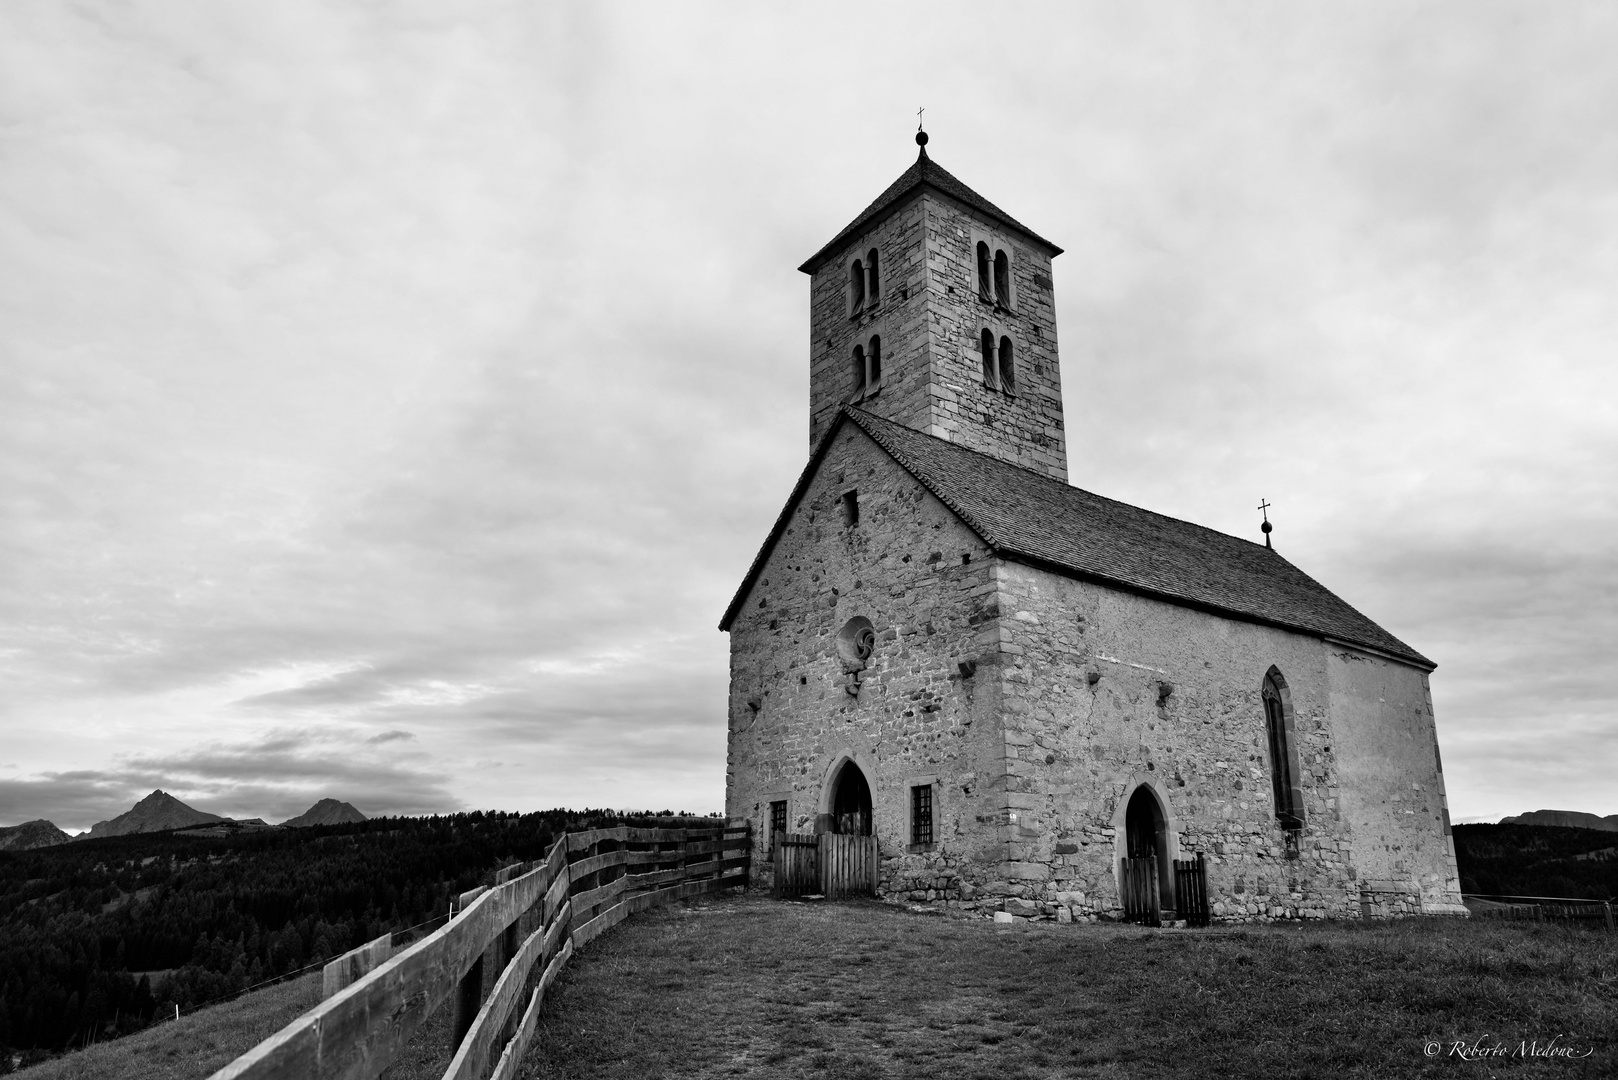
x=192 y=1046
x=751 y=987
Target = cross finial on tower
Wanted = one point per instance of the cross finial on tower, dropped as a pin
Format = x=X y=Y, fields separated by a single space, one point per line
x=921 y=136
x=1264 y=508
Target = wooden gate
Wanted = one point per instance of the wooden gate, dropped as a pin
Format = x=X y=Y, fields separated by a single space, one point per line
x=847 y=865
x=1137 y=885
x=1191 y=890
x=797 y=864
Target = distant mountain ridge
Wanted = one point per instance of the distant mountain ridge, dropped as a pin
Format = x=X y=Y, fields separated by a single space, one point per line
x=162 y=812
x=1565 y=819
x=157 y=812
x=325 y=812
x=30 y=835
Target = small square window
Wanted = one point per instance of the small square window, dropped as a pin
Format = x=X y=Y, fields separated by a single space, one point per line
x=921 y=815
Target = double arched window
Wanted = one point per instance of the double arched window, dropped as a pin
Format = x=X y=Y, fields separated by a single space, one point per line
x=994 y=273
x=999 y=362
x=1283 y=752
x=864 y=282
x=866 y=367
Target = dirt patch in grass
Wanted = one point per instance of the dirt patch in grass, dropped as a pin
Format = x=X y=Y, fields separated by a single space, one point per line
x=753 y=987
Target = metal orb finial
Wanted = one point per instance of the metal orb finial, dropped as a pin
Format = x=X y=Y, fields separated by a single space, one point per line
x=921 y=138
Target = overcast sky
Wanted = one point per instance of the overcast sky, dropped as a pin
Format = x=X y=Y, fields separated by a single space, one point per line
x=391 y=395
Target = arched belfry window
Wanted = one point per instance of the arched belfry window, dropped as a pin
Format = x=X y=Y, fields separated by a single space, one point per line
x=1008 y=369
x=873 y=276
x=856 y=287
x=983 y=271
x=1002 y=279
x=986 y=347
x=866 y=368
x=1279 y=727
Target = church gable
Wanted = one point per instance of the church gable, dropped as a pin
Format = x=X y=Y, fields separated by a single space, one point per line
x=865 y=549
x=835 y=464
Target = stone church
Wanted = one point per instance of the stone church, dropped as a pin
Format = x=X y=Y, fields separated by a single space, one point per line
x=1015 y=684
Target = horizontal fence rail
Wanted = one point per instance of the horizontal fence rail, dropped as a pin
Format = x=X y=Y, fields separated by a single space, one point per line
x=522 y=931
x=1541 y=908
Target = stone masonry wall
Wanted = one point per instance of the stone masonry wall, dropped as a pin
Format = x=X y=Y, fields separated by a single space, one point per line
x=1104 y=690
x=1026 y=428
x=1393 y=783
x=925 y=583
x=899 y=316
x=929 y=317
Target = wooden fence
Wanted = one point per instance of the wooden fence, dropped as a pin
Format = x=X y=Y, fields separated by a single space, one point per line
x=1137 y=885
x=797 y=865
x=833 y=865
x=1191 y=891
x=526 y=928
x=1597 y=913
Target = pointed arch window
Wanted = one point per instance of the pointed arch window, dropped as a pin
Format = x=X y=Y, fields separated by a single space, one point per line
x=1279 y=728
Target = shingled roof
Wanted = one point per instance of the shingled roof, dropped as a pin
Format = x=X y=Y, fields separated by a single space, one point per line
x=925 y=173
x=1033 y=518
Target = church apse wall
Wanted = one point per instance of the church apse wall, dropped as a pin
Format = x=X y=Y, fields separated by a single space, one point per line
x=1393 y=784
x=924 y=583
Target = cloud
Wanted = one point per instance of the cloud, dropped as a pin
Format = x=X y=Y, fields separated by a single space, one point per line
x=369 y=374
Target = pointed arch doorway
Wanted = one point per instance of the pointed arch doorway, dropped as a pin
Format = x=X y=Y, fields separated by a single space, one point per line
x=850 y=802
x=1146 y=878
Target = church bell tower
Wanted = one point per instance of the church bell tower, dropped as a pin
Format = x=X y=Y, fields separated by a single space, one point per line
x=934 y=309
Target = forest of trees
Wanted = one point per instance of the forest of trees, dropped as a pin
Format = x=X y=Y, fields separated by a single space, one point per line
x=1537 y=860
x=99 y=937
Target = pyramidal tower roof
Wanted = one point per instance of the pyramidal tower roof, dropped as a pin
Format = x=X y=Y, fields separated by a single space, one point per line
x=924 y=174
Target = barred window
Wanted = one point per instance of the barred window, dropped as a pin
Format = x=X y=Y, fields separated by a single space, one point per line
x=921 y=814
x=778 y=822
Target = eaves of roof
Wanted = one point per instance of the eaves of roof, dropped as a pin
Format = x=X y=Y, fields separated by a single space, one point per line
x=924 y=174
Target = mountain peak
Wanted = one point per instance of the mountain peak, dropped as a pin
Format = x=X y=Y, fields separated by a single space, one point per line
x=325 y=812
x=157 y=812
x=30 y=835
